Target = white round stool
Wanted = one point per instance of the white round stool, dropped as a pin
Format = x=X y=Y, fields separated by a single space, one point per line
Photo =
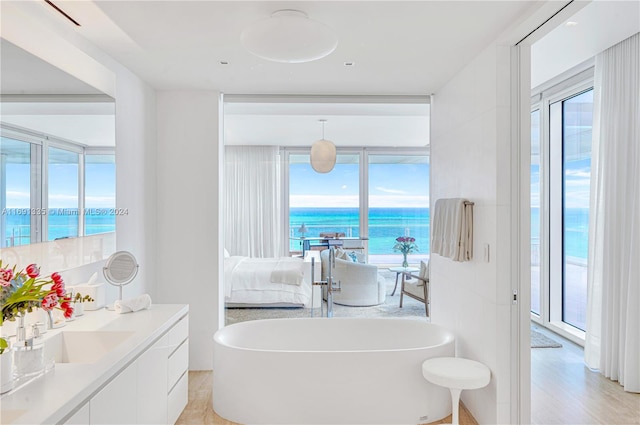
x=456 y=374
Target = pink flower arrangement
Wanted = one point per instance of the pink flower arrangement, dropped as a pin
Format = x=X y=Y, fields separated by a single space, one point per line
x=405 y=245
x=22 y=292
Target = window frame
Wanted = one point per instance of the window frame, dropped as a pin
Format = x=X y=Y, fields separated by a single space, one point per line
x=363 y=153
x=551 y=267
x=536 y=105
x=40 y=175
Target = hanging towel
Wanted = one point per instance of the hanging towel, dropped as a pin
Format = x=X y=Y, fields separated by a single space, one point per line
x=452 y=234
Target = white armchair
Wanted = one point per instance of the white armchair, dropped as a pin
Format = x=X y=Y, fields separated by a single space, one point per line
x=360 y=283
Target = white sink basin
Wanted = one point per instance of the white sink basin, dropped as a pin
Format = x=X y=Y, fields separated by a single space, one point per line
x=82 y=347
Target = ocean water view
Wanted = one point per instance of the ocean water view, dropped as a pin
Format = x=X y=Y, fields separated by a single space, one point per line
x=18 y=227
x=386 y=224
x=576 y=232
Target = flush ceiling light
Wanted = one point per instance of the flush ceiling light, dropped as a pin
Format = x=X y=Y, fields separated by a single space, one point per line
x=289 y=36
x=323 y=154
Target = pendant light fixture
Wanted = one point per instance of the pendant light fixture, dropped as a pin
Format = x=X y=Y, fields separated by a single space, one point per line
x=323 y=154
x=289 y=36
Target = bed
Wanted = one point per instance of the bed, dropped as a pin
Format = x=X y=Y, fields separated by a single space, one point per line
x=266 y=282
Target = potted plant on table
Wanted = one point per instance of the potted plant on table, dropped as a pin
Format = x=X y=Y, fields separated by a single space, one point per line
x=78 y=303
x=406 y=245
x=20 y=293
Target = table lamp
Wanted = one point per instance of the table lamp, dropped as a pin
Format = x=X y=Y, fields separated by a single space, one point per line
x=302 y=230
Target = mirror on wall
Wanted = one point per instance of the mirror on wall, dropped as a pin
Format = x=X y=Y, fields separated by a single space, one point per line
x=57 y=160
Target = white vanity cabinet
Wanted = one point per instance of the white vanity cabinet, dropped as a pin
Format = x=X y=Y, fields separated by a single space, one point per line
x=127 y=369
x=136 y=395
x=177 y=370
x=81 y=417
x=151 y=390
x=116 y=402
x=151 y=378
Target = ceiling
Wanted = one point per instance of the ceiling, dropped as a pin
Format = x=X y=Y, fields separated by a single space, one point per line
x=22 y=73
x=44 y=99
x=398 y=47
x=349 y=122
x=594 y=28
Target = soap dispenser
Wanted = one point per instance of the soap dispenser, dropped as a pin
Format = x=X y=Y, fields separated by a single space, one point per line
x=28 y=355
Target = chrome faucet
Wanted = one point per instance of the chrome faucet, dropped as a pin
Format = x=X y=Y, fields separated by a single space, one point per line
x=329 y=283
x=50 y=323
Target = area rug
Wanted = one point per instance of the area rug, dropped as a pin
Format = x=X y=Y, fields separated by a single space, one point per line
x=539 y=340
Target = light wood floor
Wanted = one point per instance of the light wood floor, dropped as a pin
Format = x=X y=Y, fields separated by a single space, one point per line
x=199 y=410
x=565 y=391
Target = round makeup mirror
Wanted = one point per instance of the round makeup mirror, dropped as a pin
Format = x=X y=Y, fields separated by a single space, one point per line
x=121 y=269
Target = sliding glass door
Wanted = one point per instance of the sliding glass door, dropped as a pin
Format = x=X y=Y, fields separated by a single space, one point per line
x=577 y=118
x=570 y=123
x=561 y=132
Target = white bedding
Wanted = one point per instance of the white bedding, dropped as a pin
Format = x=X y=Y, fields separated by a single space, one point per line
x=260 y=281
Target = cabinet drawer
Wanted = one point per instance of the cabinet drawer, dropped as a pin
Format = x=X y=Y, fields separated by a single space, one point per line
x=179 y=332
x=177 y=399
x=81 y=416
x=178 y=364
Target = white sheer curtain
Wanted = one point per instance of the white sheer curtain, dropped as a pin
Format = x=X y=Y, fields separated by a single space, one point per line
x=252 y=201
x=613 y=315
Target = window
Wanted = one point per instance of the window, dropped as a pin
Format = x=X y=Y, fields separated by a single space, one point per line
x=535 y=212
x=324 y=202
x=15 y=192
x=576 y=175
x=63 y=197
x=47 y=186
x=379 y=201
x=100 y=193
x=561 y=130
x=398 y=205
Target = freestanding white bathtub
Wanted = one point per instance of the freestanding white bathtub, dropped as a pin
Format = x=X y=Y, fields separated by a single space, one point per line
x=329 y=371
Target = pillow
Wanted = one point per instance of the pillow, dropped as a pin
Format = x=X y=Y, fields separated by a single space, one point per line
x=424 y=270
x=226 y=253
x=353 y=256
x=341 y=254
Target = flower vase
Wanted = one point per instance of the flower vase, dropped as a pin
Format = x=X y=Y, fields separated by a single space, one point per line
x=6 y=371
x=405 y=263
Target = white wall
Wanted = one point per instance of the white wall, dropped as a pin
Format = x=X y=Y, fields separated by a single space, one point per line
x=136 y=178
x=470 y=159
x=189 y=203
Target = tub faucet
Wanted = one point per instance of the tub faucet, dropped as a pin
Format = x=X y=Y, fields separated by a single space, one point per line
x=329 y=283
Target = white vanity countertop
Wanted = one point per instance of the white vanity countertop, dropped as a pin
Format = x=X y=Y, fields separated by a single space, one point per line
x=54 y=396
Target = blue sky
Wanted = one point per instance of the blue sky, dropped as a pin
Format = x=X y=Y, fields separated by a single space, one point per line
x=390 y=185
x=63 y=186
